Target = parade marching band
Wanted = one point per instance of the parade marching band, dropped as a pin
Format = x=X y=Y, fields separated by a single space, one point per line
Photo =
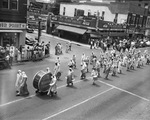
x=109 y=62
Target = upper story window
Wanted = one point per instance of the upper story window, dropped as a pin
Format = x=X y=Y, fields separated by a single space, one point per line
x=5 y=4
x=14 y=4
x=75 y=12
x=64 y=10
x=103 y=13
x=89 y=12
x=116 y=18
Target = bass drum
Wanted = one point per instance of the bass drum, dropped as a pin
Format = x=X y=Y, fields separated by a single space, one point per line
x=41 y=81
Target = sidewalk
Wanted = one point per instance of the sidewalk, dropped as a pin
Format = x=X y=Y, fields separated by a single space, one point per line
x=76 y=43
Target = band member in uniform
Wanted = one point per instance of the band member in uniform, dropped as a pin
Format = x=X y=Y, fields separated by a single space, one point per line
x=70 y=77
x=71 y=63
x=74 y=60
x=94 y=75
x=83 y=71
x=87 y=63
x=23 y=85
x=58 y=60
x=97 y=66
x=18 y=81
x=108 y=67
x=53 y=86
x=82 y=58
x=67 y=47
x=114 y=66
x=57 y=72
x=120 y=66
x=48 y=70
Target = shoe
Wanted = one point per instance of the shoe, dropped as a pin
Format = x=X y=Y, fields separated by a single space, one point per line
x=18 y=94
x=93 y=83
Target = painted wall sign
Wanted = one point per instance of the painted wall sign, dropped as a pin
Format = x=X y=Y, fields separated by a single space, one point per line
x=9 y=25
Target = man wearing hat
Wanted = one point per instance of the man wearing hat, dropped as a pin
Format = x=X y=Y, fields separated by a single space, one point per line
x=70 y=77
x=53 y=87
x=23 y=85
x=18 y=81
x=94 y=75
x=83 y=70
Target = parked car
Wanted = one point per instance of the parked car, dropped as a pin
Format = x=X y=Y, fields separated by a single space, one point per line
x=30 y=30
x=30 y=41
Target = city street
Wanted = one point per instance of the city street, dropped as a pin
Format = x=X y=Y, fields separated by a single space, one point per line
x=123 y=97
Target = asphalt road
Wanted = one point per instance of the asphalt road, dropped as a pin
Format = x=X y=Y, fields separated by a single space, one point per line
x=124 y=97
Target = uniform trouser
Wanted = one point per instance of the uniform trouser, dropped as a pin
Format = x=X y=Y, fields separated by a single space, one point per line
x=107 y=73
x=11 y=60
x=52 y=89
x=119 y=69
x=98 y=70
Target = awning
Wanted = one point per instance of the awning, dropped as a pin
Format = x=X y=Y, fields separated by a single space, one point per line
x=71 y=29
x=10 y=31
x=117 y=34
x=94 y=36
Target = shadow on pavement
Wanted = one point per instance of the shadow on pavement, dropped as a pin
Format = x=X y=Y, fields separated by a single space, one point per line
x=44 y=96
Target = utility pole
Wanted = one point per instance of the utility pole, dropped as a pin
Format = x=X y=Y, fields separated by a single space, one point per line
x=39 y=29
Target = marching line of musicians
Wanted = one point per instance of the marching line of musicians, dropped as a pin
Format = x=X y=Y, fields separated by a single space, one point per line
x=110 y=63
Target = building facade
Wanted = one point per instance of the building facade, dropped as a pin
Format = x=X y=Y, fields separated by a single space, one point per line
x=128 y=13
x=13 y=15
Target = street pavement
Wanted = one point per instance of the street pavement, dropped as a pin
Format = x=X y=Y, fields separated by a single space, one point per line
x=124 y=97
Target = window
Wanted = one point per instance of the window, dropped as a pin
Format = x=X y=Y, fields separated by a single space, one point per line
x=103 y=13
x=64 y=11
x=5 y=4
x=146 y=5
x=116 y=18
x=14 y=4
x=75 y=12
x=89 y=12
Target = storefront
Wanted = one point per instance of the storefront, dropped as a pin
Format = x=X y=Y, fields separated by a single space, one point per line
x=12 y=33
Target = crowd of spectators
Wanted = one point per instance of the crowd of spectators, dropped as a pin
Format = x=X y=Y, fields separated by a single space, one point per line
x=11 y=54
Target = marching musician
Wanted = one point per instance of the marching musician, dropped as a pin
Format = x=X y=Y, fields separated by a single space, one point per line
x=53 y=86
x=18 y=81
x=74 y=60
x=71 y=63
x=70 y=77
x=87 y=63
x=23 y=85
x=57 y=70
x=108 y=67
x=94 y=75
x=82 y=58
x=120 y=66
x=83 y=70
x=97 y=66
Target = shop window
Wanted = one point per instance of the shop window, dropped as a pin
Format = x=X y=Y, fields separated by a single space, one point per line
x=14 y=4
x=80 y=12
x=5 y=4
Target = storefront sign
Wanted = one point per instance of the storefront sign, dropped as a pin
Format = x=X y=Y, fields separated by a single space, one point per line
x=9 y=25
x=71 y=20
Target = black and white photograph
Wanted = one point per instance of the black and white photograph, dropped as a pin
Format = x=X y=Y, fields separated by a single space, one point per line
x=74 y=59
